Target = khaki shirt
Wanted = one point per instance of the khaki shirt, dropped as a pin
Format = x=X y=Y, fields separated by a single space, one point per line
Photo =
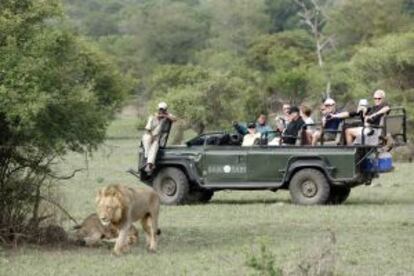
x=154 y=125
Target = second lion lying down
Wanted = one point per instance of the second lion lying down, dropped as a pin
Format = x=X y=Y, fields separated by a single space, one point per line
x=91 y=232
x=120 y=206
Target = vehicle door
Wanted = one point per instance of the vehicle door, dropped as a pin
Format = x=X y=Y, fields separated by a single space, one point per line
x=225 y=164
x=265 y=164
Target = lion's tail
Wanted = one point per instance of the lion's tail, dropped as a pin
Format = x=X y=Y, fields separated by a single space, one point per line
x=159 y=232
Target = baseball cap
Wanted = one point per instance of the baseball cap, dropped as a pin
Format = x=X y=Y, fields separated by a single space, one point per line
x=329 y=101
x=162 y=105
x=293 y=109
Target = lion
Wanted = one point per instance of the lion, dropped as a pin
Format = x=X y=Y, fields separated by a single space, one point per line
x=120 y=206
x=92 y=231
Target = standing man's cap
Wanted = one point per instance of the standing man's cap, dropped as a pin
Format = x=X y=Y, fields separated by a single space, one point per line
x=329 y=101
x=293 y=109
x=162 y=105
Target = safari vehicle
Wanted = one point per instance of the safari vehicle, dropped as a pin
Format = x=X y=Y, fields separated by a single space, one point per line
x=215 y=161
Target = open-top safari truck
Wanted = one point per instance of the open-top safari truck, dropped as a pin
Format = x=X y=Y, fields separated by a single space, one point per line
x=215 y=161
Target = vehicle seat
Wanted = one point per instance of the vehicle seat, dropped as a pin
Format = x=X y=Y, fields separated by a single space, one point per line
x=338 y=140
x=395 y=125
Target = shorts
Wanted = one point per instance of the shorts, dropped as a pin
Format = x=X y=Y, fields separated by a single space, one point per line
x=329 y=136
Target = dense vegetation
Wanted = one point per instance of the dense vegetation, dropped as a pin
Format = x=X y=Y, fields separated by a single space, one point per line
x=57 y=94
x=219 y=60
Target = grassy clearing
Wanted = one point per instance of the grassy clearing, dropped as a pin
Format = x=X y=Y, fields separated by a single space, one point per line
x=374 y=228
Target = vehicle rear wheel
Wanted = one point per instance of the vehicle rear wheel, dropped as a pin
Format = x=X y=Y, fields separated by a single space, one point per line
x=339 y=194
x=200 y=196
x=309 y=187
x=172 y=186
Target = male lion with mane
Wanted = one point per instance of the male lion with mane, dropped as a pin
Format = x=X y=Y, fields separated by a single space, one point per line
x=121 y=206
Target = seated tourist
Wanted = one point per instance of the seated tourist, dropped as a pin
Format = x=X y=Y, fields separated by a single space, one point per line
x=261 y=127
x=283 y=120
x=370 y=116
x=330 y=123
x=296 y=123
x=305 y=113
x=252 y=137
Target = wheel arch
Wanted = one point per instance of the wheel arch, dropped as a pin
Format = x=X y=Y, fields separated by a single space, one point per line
x=187 y=167
x=297 y=164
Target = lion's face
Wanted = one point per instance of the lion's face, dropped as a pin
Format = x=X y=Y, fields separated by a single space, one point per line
x=109 y=209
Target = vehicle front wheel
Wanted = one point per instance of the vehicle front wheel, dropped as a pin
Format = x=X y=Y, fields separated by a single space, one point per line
x=339 y=194
x=172 y=186
x=309 y=187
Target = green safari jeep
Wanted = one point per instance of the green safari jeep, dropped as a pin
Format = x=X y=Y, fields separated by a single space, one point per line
x=215 y=161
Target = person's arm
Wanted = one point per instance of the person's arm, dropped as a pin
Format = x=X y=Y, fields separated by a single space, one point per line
x=168 y=116
x=382 y=111
x=149 y=123
x=240 y=128
x=342 y=115
x=171 y=117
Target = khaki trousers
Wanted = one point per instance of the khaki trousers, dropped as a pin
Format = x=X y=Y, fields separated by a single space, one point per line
x=151 y=146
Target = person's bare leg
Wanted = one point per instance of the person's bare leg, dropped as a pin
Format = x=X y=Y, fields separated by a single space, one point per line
x=351 y=134
x=315 y=137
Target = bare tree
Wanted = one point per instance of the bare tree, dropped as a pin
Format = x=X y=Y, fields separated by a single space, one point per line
x=313 y=16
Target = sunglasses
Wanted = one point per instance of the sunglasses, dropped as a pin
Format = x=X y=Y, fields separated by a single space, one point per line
x=378 y=99
x=328 y=105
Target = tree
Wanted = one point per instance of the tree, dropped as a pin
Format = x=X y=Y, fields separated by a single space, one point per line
x=314 y=18
x=358 y=21
x=57 y=94
x=284 y=59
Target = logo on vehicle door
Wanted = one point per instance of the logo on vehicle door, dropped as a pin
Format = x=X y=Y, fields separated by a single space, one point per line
x=226 y=169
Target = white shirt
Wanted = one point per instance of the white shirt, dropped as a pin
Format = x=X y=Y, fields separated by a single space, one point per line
x=249 y=139
x=309 y=121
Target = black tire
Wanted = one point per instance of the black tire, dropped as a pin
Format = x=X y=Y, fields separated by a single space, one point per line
x=339 y=194
x=172 y=186
x=309 y=187
x=200 y=196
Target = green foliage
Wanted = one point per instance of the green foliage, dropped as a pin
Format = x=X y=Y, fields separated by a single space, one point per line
x=357 y=21
x=388 y=64
x=59 y=90
x=57 y=94
x=264 y=43
x=202 y=98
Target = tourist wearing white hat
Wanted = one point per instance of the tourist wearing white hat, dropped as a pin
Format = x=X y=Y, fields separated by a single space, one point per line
x=151 y=137
x=370 y=116
x=329 y=123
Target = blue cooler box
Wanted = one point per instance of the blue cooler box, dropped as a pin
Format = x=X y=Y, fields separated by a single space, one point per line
x=370 y=164
x=385 y=162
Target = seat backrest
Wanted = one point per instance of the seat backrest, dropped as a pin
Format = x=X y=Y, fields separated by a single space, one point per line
x=395 y=125
x=338 y=136
x=165 y=132
x=299 y=139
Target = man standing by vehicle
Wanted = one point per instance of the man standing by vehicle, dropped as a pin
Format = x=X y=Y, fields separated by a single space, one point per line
x=152 y=135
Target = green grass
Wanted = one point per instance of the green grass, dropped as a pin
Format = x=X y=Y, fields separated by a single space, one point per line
x=374 y=228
